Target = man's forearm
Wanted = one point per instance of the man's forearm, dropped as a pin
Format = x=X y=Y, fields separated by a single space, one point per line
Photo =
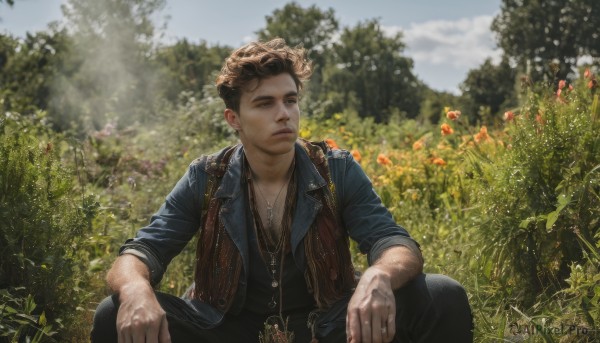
x=400 y=263
x=127 y=270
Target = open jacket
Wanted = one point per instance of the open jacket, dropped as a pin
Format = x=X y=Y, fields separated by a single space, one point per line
x=363 y=216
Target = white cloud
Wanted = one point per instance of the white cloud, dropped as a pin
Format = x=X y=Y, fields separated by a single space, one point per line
x=466 y=42
x=445 y=50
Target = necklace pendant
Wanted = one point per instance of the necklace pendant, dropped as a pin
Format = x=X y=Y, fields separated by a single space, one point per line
x=269 y=217
x=274 y=283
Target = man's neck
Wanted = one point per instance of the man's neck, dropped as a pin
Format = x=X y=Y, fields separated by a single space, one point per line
x=268 y=169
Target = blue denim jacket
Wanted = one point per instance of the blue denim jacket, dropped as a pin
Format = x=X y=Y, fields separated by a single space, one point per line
x=366 y=220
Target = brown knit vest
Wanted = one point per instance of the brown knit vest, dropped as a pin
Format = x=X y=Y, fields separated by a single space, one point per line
x=329 y=273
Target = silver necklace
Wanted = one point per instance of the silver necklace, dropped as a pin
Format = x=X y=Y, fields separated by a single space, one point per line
x=269 y=206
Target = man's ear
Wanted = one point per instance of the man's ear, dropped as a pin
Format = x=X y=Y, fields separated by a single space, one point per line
x=232 y=119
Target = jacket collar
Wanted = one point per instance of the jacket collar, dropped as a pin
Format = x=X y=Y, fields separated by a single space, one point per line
x=308 y=177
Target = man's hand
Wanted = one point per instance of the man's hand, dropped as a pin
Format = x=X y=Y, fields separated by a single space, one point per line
x=371 y=315
x=141 y=319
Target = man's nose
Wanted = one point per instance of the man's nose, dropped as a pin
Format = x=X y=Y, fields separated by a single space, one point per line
x=283 y=112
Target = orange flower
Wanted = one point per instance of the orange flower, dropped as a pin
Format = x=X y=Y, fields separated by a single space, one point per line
x=570 y=87
x=558 y=92
x=587 y=74
x=383 y=160
x=482 y=135
x=591 y=84
x=453 y=115
x=446 y=130
x=509 y=116
x=539 y=119
x=438 y=161
x=562 y=84
x=356 y=154
x=332 y=144
x=418 y=145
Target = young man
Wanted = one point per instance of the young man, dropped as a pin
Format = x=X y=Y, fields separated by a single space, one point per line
x=275 y=213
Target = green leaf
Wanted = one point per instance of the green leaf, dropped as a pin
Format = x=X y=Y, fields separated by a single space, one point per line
x=563 y=201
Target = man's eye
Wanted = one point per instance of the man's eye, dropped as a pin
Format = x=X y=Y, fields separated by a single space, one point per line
x=292 y=101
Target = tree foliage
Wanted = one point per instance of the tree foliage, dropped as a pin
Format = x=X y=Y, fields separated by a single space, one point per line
x=28 y=68
x=537 y=32
x=310 y=27
x=367 y=70
x=188 y=67
x=488 y=90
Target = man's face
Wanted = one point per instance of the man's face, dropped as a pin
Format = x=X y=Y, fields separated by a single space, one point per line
x=268 y=117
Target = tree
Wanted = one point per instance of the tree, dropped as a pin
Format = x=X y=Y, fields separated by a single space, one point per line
x=28 y=67
x=311 y=27
x=537 y=32
x=189 y=67
x=367 y=68
x=488 y=89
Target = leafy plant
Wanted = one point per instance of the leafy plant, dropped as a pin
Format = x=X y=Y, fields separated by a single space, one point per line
x=43 y=220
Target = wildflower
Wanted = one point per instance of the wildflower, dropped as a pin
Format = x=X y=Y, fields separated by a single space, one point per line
x=558 y=92
x=438 y=161
x=482 y=135
x=49 y=147
x=570 y=87
x=383 y=160
x=332 y=144
x=418 y=145
x=562 y=84
x=539 y=119
x=587 y=74
x=453 y=115
x=591 y=84
x=446 y=129
x=509 y=116
x=356 y=154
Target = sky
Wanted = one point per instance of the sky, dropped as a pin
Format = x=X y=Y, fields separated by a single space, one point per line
x=444 y=38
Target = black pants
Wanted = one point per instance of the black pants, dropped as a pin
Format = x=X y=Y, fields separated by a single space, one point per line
x=431 y=308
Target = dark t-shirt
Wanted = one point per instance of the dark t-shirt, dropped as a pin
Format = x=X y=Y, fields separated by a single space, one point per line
x=295 y=295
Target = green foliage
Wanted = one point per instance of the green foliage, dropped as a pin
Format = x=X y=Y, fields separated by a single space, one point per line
x=18 y=321
x=488 y=89
x=538 y=202
x=537 y=32
x=368 y=73
x=43 y=219
x=310 y=27
x=189 y=67
x=28 y=68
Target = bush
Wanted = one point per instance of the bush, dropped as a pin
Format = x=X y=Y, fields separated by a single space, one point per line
x=538 y=202
x=42 y=223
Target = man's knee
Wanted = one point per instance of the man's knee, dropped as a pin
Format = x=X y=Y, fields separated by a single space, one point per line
x=447 y=293
x=105 y=320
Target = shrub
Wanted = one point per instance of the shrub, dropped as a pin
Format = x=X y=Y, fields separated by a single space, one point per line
x=42 y=223
x=538 y=201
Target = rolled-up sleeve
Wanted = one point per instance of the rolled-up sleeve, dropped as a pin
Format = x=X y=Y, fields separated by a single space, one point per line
x=172 y=227
x=366 y=219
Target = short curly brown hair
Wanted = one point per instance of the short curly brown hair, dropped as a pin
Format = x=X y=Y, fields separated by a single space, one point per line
x=260 y=60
